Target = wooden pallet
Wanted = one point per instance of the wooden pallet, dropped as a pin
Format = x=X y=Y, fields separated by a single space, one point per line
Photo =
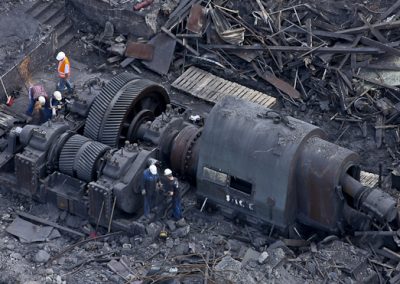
x=210 y=88
x=368 y=179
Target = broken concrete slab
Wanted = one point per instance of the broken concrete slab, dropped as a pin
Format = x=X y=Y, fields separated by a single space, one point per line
x=227 y=269
x=42 y=256
x=120 y=268
x=28 y=232
x=250 y=255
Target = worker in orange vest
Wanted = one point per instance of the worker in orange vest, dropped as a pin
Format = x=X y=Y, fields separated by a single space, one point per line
x=64 y=73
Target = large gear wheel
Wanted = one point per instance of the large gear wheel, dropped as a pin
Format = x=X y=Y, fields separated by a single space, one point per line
x=88 y=159
x=139 y=95
x=111 y=115
x=69 y=153
x=102 y=102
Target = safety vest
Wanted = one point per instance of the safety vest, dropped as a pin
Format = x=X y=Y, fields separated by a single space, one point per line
x=64 y=68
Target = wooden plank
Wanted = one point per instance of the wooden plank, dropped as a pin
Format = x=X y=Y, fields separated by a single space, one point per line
x=235 y=90
x=256 y=98
x=229 y=90
x=211 y=88
x=206 y=86
x=261 y=99
x=270 y=101
x=250 y=96
x=217 y=93
x=194 y=79
x=264 y=100
x=182 y=81
x=242 y=91
x=202 y=84
x=184 y=77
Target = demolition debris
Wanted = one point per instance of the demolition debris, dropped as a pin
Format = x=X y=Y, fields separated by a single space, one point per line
x=331 y=63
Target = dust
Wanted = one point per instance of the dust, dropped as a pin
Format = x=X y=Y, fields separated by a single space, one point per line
x=24 y=72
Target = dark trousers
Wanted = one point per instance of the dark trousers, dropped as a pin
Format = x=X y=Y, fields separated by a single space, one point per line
x=176 y=208
x=149 y=200
x=30 y=106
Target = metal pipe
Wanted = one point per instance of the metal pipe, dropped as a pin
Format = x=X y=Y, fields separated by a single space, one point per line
x=351 y=186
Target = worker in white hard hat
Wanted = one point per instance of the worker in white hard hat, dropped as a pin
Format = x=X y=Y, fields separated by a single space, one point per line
x=151 y=186
x=64 y=73
x=171 y=186
x=36 y=93
x=56 y=103
x=38 y=107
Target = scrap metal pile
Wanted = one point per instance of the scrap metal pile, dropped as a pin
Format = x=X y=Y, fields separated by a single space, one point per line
x=339 y=57
x=251 y=162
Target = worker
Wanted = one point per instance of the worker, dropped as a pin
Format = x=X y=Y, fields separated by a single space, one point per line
x=171 y=186
x=36 y=93
x=37 y=114
x=64 y=73
x=56 y=103
x=151 y=187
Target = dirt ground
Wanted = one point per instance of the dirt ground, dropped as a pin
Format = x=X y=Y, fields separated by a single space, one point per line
x=236 y=253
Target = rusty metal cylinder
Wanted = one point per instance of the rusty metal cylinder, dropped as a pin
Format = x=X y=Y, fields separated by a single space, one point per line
x=373 y=201
x=351 y=186
x=319 y=173
x=248 y=161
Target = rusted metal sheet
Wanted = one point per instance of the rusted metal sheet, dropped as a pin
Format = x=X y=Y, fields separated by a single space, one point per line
x=197 y=19
x=204 y=85
x=139 y=50
x=278 y=83
x=164 y=48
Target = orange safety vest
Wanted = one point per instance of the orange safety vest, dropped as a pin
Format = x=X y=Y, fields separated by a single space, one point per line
x=63 y=70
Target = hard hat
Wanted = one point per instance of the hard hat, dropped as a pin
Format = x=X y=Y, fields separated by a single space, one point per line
x=167 y=172
x=42 y=100
x=60 y=56
x=153 y=169
x=57 y=95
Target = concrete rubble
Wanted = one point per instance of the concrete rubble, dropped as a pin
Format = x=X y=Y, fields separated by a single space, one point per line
x=358 y=110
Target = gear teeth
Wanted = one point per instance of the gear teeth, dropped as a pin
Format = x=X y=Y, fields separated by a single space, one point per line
x=69 y=152
x=102 y=102
x=112 y=126
x=86 y=168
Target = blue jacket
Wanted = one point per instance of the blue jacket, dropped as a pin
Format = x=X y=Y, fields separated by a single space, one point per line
x=150 y=181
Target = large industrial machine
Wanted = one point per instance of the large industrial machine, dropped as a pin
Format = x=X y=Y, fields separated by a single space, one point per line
x=251 y=162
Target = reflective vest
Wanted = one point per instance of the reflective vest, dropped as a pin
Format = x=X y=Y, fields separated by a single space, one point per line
x=64 y=68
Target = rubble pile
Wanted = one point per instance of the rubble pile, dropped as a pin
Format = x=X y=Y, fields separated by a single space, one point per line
x=331 y=62
x=336 y=58
x=200 y=248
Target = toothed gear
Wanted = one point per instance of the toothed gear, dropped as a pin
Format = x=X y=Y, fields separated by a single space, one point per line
x=138 y=95
x=102 y=102
x=69 y=153
x=87 y=160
